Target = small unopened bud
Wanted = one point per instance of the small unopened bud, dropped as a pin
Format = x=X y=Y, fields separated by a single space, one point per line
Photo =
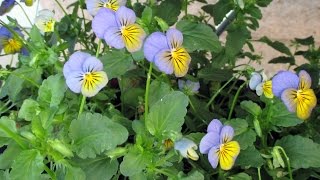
x=277 y=159
x=168 y=144
x=60 y=147
x=187 y=148
x=117 y=152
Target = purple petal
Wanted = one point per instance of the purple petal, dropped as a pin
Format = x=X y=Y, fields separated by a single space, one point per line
x=213 y=156
x=288 y=97
x=74 y=81
x=215 y=126
x=174 y=38
x=5 y=33
x=156 y=42
x=284 y=80
x=304 y=80
x=193 y=86
x=208 y=141
x=226 y=134
x=93 y=6
x=113 y=38
x=75 y=63
x=104 y=19
x=163 y=61
x=125 y=16
x=92 y=64
x=255 y=79
x=181 y=84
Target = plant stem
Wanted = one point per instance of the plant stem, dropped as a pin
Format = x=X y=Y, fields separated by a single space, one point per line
x=185 y=7
x=219 y=90
x=13 y=135
x=83 y=101
x=60 y=41
x=24 y=12
x=50 y=172
x=98 y=48
x=288 y=161
x=64 y=11
x=146 y=96
x=235 y=99
x=259 y=173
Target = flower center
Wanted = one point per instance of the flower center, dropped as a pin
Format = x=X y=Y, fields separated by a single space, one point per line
x=222 y=147
x=49 y=26
x=111 y=5
x=12 y=46
x=299 y=94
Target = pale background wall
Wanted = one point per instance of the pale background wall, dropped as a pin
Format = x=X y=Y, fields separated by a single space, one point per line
x=283 y=20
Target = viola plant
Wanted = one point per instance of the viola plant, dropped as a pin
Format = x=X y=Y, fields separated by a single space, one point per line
x=117 y=96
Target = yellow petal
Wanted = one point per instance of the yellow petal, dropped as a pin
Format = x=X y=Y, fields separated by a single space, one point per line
x=93 y=82
x=112 y=4
x=180 y=61
x=228 y=154
x=267 y=89
x=12 y=46
x=133 y=36
x=306 y=101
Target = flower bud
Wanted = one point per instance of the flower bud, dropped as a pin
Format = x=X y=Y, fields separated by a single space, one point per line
x=117 y=152
x=257 y=127
x=187 y=148
x=60 y=147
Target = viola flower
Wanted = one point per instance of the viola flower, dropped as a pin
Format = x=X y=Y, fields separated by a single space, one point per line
x=83 y=73
x=167 y=52
x=295 y=92
x=9 y=42
x=188 y=86
x=118 y=28
x=94 y=6
x=6 y=6
x=259 y=82
x=45 y=21
x=218 y=145
x=187 y=148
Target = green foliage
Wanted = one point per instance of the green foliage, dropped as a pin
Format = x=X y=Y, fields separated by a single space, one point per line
x=198 y=36
x=302 y=152
x=27 y=165
x=169 y=11
x=250 y=157
x=167 y=116
x=91 y=134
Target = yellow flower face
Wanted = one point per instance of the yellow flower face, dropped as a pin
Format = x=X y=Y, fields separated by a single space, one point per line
x=112 y=4
x=12 y=46
x=227 y=152
x=267 y=89
x=92 y=82
x=49 y=26
x=132 y=36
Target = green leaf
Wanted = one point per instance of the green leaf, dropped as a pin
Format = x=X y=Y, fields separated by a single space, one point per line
x=116 y=63
x=254 y=12
x=240 y=176
x=246 y=139
x=8 y=156
x=280 y=116
x=159 y=89
x=239 y=125
x=283 y=60
x=167 y=115
x=52 y=90
x=251 y=107
x=302 y=152
x=98 y=168
x=27 y=165
x=7 y=127
x=263 y=3
x=195 y=175
x=219 y=10
x=36 y=37
x=250 y=157
x=236 y=38
x=19 y=80
x=215 y=74
x=147 y=15
x=198 y=36
x=168 y=10
x=93 y=133
x=75 y=173
x=279 y=46
x=29 y=109
x=134 y=162
x=305 y=41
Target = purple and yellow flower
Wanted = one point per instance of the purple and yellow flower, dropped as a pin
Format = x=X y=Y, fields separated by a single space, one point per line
x=118 y=28
x=167 y=52
x=295 y=91
x=45 y=21
x=83 y=73
x=9 y=42
x=218 y=145
x=189 y=87
x=94 y=6
x=259 y=82
x=187 y=148
x=6 y=6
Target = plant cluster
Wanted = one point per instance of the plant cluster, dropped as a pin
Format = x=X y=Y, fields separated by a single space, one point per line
x=145 y=90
